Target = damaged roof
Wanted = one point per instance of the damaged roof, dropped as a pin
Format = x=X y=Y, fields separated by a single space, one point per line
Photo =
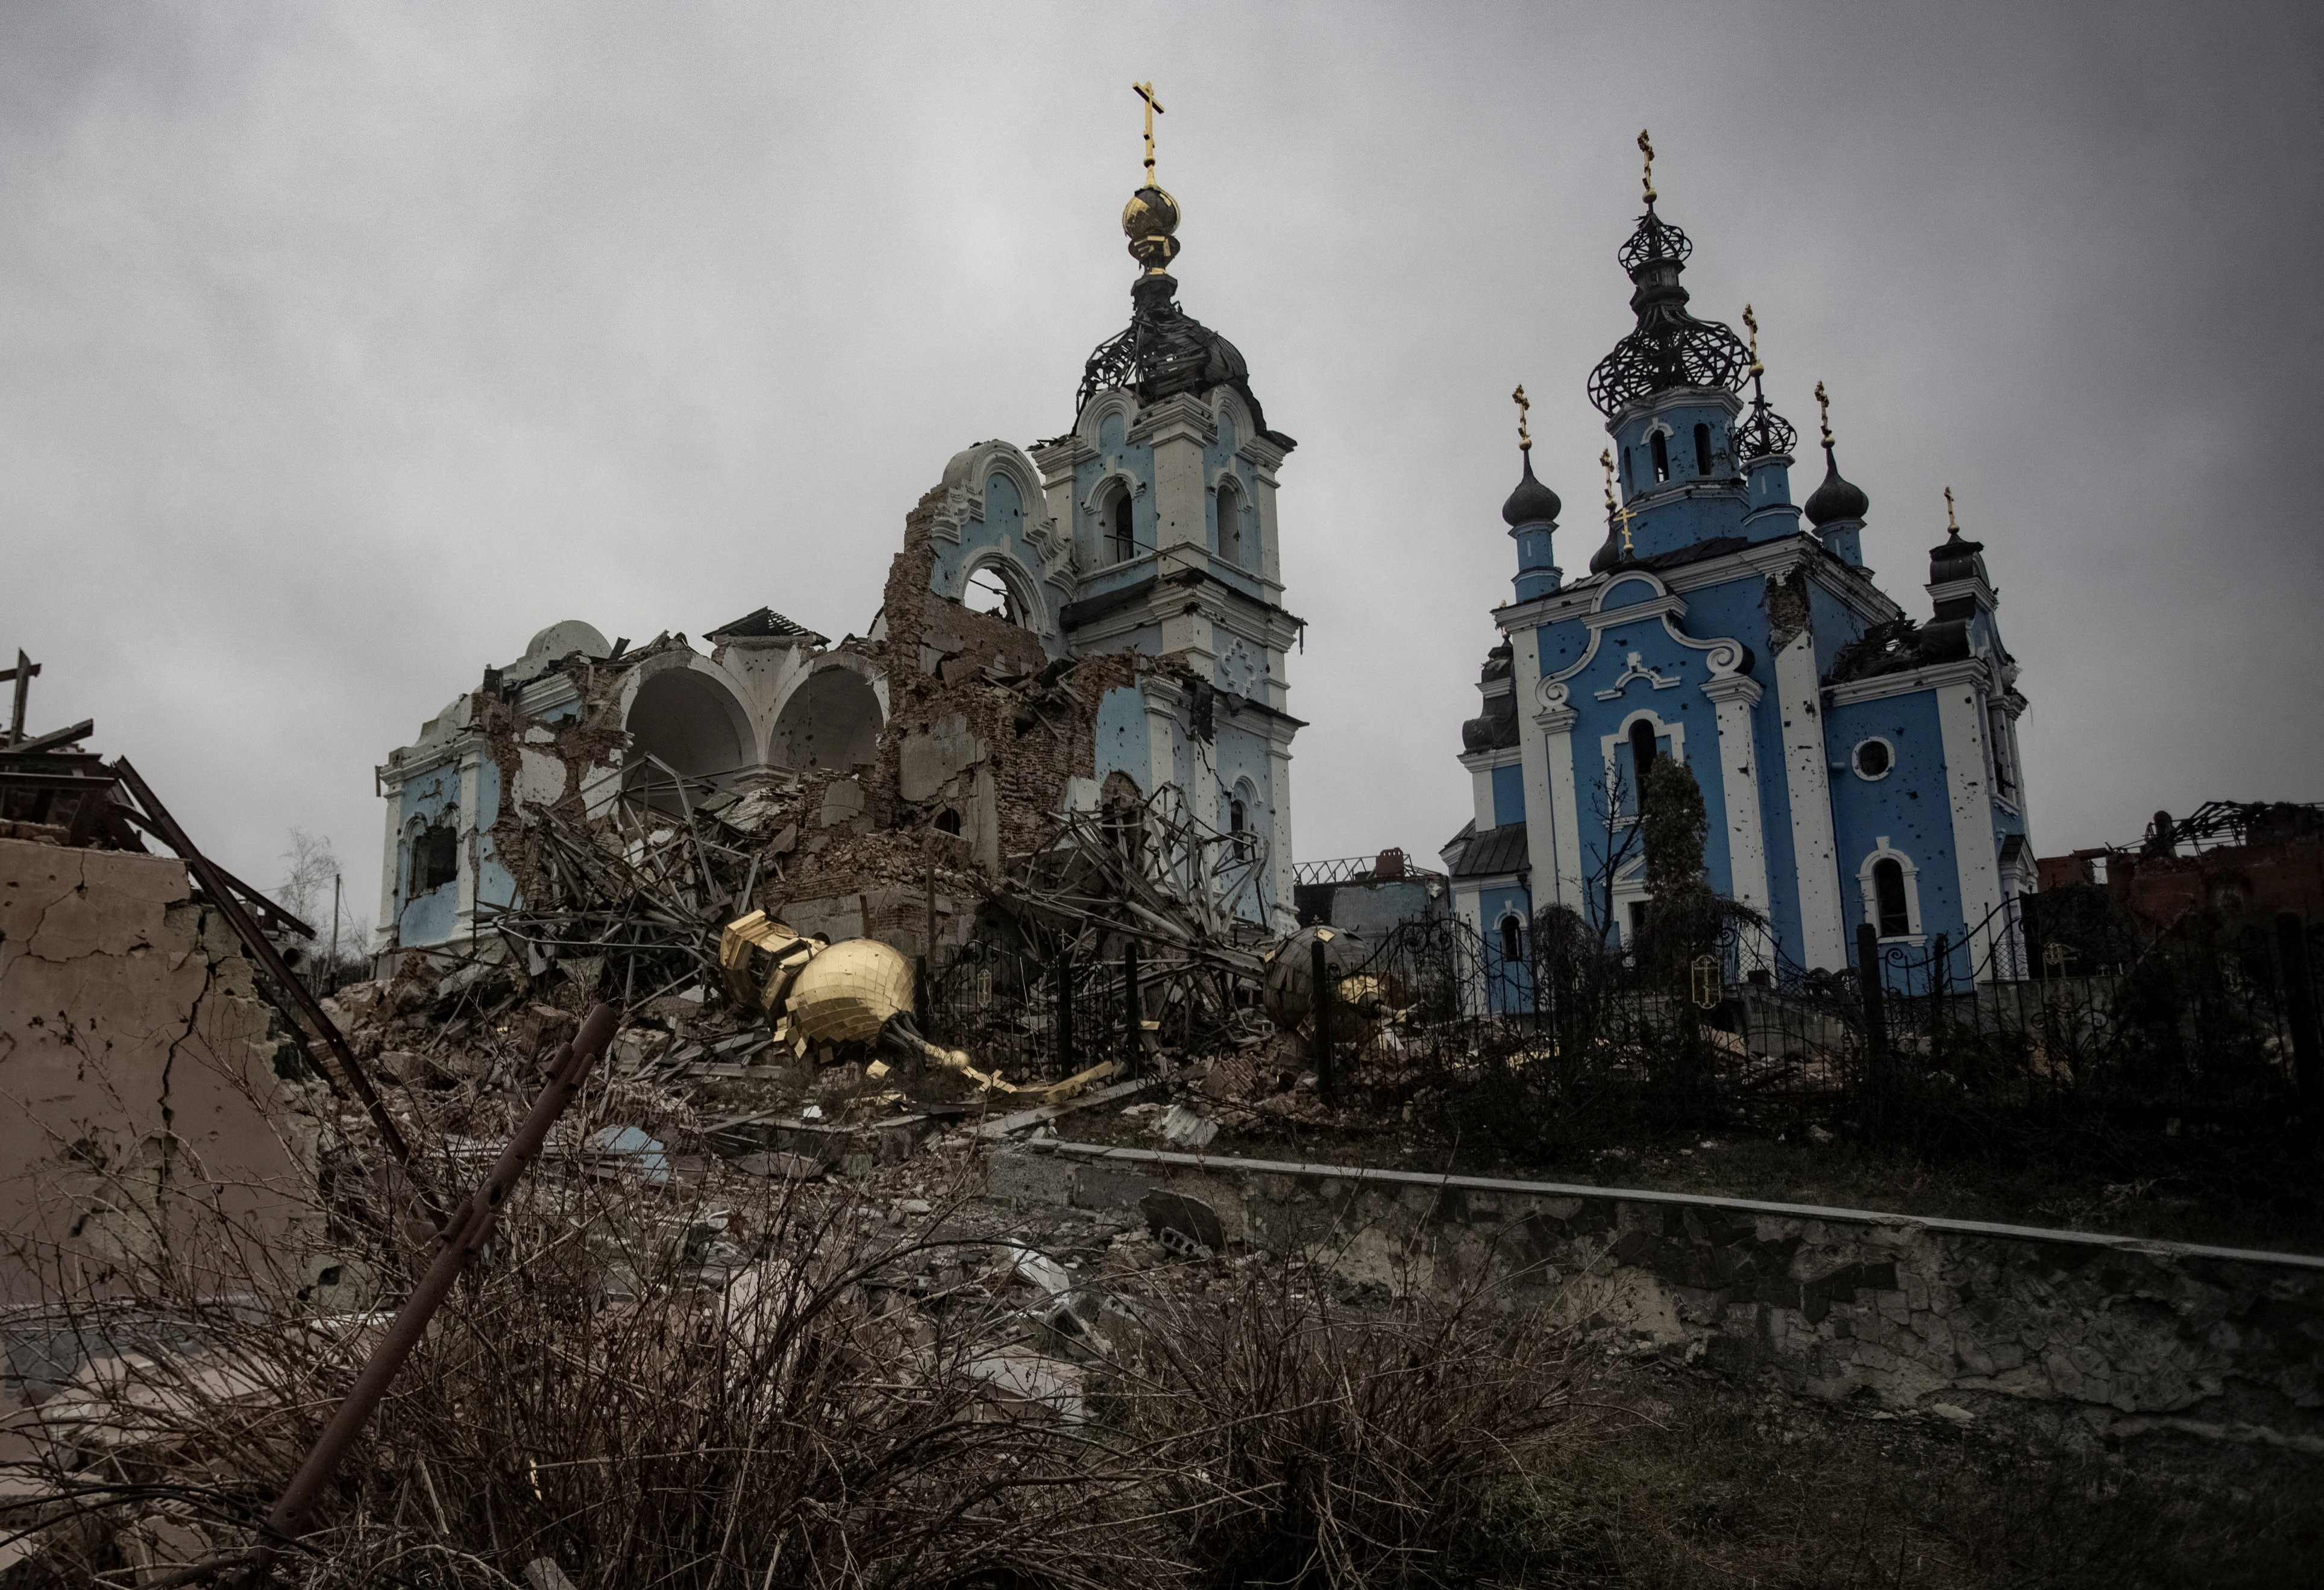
x=765 y=624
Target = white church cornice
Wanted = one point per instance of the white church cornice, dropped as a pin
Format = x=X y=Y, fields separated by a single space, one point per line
x=1936 y=676
x=1773 y=559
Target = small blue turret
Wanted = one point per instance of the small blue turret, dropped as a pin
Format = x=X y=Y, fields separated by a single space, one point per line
x=1837 y=507
x=1764 y=442
x=1531 y=514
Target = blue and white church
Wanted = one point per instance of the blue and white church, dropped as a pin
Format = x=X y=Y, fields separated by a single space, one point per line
x=1857 y=765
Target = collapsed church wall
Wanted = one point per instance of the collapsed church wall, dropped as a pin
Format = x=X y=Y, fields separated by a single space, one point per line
x=144 y=1080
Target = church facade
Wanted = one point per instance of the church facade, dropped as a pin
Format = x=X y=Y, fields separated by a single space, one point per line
x=1857 y=765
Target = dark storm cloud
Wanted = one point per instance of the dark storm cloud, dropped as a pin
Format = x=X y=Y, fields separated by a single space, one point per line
x=346 y=346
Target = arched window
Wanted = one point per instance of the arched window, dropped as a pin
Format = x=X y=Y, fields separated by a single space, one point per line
x=1512 y=940
x=1661 y=445
x=1124 y=535
x=1703 y=449
x=1231 y=522
x=1888 y=894
x=1642 y=751
x=1237 y=827
x=987 y=592
x=947 y=821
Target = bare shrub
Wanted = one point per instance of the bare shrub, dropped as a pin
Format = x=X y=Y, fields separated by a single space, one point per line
x=1304 y=1440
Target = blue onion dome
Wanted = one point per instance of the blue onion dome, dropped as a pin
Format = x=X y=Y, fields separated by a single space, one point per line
x=1532 y=503
x=1836 y=499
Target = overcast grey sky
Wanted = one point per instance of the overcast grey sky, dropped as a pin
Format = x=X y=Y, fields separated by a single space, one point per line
x=342 y=347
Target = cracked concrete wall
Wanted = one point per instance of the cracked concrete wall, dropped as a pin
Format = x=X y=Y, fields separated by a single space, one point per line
x=2107 y=1338
x=145 y=1089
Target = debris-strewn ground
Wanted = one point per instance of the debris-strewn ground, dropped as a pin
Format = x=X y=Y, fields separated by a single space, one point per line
x=696 y=1357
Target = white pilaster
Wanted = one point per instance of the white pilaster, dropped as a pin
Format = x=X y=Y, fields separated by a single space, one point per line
x=1544 y=827
x=1555 y=724
x=1735 y=696
x=1799 y=694
x=1278 y=760
x=391 y=861
x=1960 y=726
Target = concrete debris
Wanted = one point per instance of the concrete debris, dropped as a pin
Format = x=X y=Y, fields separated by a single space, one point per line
x=1188 y=1127
x=543 y=1574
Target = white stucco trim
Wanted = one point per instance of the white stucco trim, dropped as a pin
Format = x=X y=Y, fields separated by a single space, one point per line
x=1976 y=852
x=1556 y=725
x=1611 y=746
x=1808 y=782
x=1738 y=783
x=1883 y=851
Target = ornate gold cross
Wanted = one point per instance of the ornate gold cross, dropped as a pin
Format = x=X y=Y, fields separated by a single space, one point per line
x=1525 y=439
x=1751 y=324
x=1146 y=91
x=1646 y=148
x=1823 y=415
x=1618 y=514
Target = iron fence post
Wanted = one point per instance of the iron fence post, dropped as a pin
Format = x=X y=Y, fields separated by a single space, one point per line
x=2300 y=1009
x=1875 y=1026
x=1320 y=973
x=1133 y=1012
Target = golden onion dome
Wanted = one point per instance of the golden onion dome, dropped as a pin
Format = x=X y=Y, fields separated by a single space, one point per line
x=1148 y=221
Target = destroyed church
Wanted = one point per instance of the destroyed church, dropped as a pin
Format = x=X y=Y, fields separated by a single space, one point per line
x=1097 y=619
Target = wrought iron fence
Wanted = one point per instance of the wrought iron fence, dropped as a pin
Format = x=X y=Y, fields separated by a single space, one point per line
x=2213 y=1020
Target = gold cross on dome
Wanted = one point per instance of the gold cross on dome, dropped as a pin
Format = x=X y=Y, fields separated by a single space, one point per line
x=1751 y=324
x=1646 y=148
x=1153 y=107
x=1952 y=523
x=1525 y=437
x=1823 y=414
x=1615 y=513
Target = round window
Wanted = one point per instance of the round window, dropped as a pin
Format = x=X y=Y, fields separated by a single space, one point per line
x=1873 y=758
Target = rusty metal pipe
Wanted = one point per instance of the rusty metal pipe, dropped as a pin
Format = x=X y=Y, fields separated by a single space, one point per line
x=470 y=1225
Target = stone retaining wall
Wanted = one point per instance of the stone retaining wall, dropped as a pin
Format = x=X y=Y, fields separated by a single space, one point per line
x=1963 y=1318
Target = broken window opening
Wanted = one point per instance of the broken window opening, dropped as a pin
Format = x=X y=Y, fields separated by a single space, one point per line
x=988 y=593
x=1124 y=529
x=1703 y=449
x=1888 y=896
x=1230 y=523
x=947 y=821
x=1660 y=446
x=1512 y=940
x=435 y=856
x=1238 y=828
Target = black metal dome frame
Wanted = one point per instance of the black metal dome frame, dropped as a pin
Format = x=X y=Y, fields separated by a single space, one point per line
x=1670 y=349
